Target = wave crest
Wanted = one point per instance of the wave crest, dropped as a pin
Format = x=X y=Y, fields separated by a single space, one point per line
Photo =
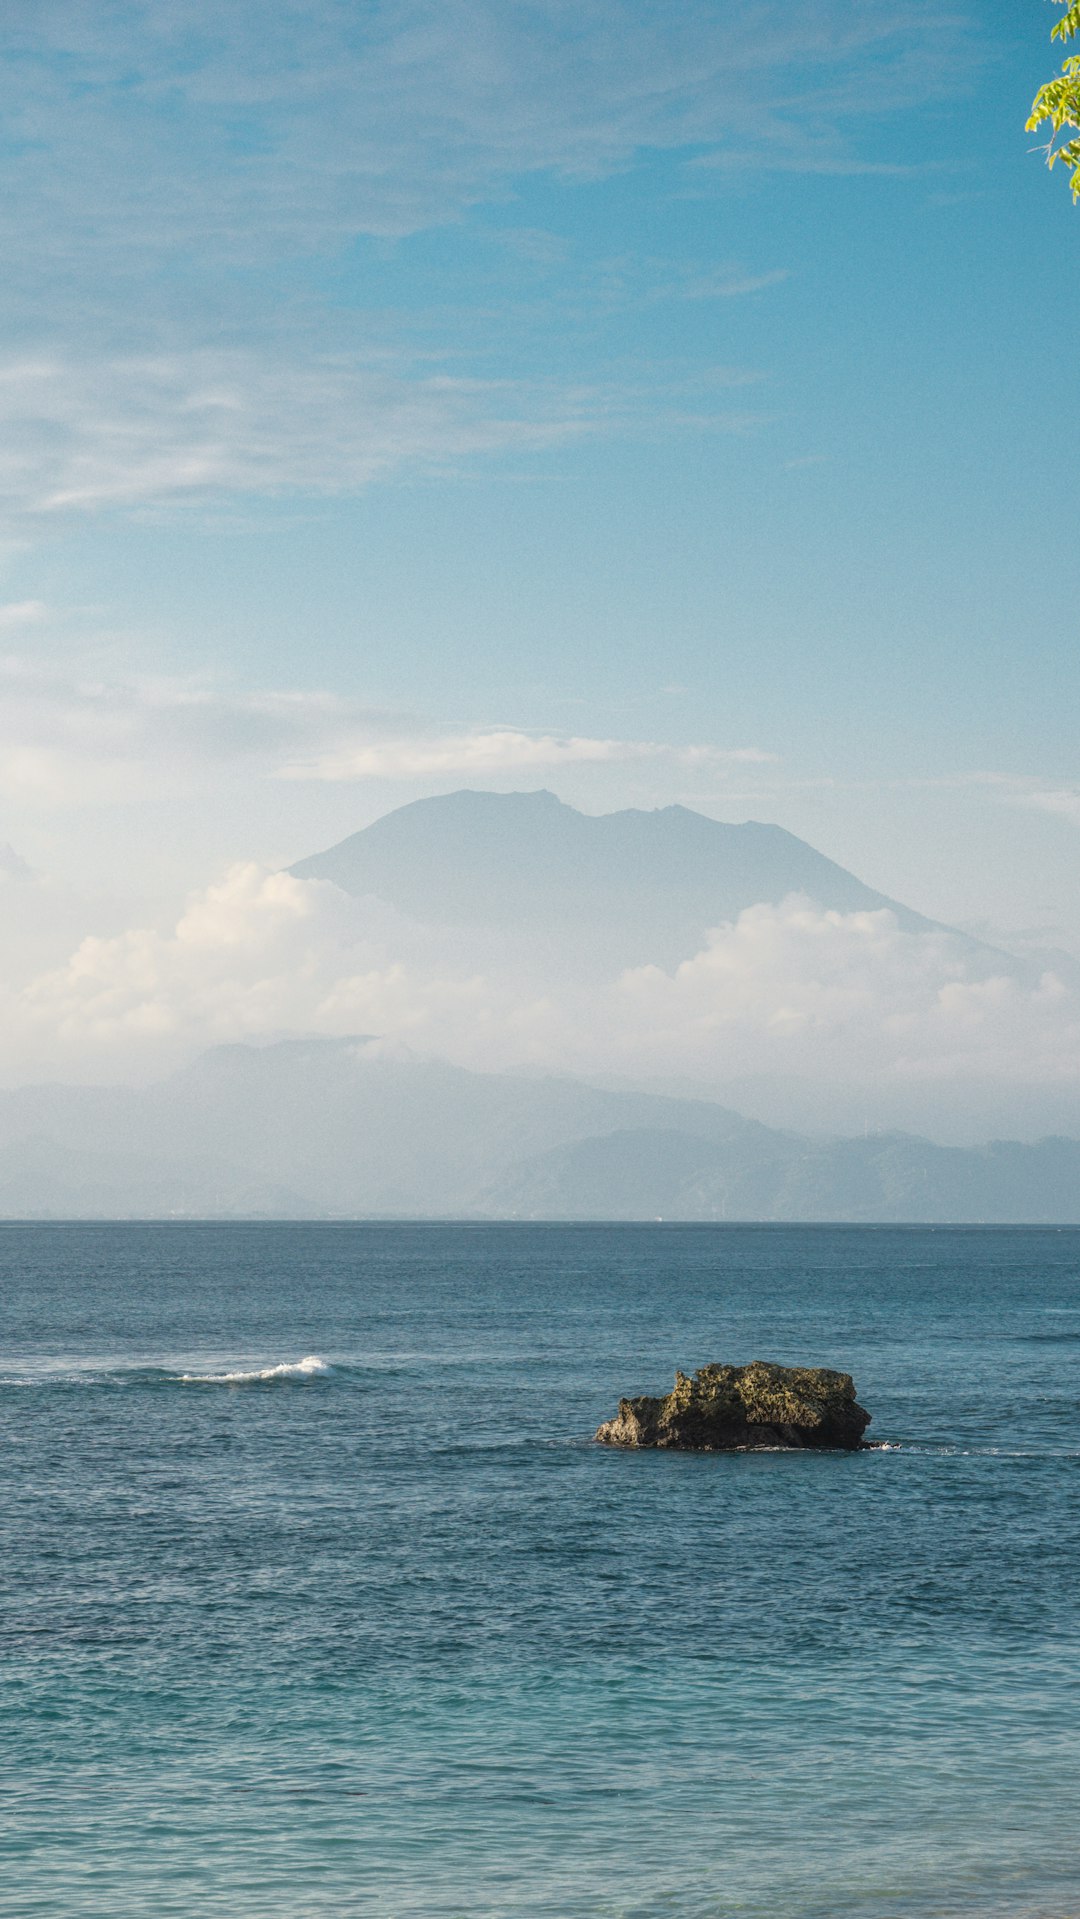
x=310 y=1368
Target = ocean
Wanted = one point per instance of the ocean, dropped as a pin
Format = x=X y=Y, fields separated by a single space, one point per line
x=316 y=1597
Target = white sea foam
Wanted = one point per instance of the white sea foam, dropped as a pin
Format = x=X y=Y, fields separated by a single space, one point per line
x=973 y=1452
x=310 y=1368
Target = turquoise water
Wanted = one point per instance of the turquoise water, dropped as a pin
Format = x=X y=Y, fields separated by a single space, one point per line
x=389 y=1636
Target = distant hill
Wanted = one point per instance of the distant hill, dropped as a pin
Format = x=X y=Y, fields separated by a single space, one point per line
x=624 y=889
x=309 y=1126
x=40 y=1179
x=893 y=1177
x=333 y=1129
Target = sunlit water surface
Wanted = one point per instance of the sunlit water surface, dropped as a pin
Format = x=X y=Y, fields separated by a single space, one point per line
x=384 y=1633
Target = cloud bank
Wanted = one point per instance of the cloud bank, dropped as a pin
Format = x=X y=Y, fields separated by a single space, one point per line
x=785 y=991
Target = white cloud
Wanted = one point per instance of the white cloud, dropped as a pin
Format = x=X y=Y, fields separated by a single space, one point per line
x=729 y=283
x=789 y=151
x=183 y=181
x=70 y=737
x=785 y=990
x=249 y=129
x=1030 y=791
x=1063 y=801
x=494 y=750
x=234 y=964
x=82 y=434
x=17 y=615
x=791 y=988
x=130 y=431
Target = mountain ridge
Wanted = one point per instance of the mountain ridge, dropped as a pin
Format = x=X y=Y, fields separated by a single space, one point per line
x=324 y=1128
x=617 y=889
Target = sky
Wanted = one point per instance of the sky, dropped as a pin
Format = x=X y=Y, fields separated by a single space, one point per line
x=653 y=404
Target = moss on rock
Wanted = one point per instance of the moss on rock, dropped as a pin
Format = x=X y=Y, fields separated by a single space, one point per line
x=728 y=1408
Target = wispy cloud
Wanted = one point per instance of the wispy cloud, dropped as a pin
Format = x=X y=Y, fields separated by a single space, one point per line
x=19 y=615
x=789 y=154
x=164 y=429
x=1064 y=801
x=184 y=182
x=1033 y=791
x=497 y=750
x=255 y=128
x=70 y=735
x=730 y=284
x=146 y=429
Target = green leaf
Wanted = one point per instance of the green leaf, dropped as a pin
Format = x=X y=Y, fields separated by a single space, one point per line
x=1059 y=100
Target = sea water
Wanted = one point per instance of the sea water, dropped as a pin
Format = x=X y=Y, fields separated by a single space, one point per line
x=318 y=1599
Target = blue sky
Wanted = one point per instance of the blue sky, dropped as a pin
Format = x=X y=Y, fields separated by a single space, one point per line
x=650 y=403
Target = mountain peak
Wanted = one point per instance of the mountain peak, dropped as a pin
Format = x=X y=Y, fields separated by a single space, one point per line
x=610 y=890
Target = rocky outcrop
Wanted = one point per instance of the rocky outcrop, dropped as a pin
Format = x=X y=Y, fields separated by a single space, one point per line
x=732 y=1408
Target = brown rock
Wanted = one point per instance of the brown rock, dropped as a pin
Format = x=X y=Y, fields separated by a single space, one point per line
x=733 y=1408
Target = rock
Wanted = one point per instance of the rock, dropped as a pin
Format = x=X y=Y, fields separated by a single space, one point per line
x=728 y=1408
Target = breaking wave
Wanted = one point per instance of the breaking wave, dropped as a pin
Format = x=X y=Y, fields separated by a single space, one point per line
x=310 y=1368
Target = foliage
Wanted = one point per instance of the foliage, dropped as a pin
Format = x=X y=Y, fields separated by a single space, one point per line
x=1059 y=100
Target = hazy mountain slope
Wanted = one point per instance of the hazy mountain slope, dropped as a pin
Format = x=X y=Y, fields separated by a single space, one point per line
x=342 y=1128
x=898 y=1178
x=329 y=1127
x=40 y=1179
x=654 y=1174
x=361 y=1132
x=623 y=889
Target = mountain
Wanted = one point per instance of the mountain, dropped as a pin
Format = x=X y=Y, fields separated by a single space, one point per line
x=623 y=889
x=40 y=1179
x=309 y=1127
x=893 y=1178
x=335 y=1129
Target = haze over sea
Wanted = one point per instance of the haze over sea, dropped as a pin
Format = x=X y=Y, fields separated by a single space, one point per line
x=318 y=1599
